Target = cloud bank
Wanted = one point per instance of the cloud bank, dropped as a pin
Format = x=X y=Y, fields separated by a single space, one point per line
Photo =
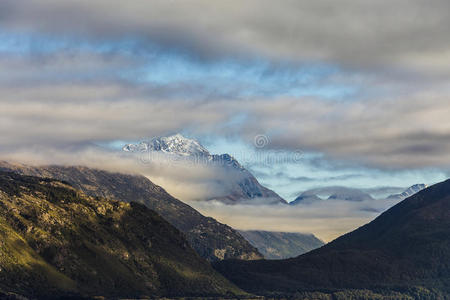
x=190 y=182
x=408 y=34
x=400 y=133
x=326 y=219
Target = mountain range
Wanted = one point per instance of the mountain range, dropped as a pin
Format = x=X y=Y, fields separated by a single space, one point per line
x=241 y=186
x=333 y=193
x=406 y=249
x=58 y=242
x=349 y=194
x=211 y=239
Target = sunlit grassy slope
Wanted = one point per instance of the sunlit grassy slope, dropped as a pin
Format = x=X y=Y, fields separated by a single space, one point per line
x=56 y=240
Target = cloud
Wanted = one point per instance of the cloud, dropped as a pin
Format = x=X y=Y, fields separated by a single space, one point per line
x=326 y=219
x=384 y=191
x=296 y=179
x=74 y=113
x=408 y=35
x=384 y=133
x=188 y=182
x=388 y=133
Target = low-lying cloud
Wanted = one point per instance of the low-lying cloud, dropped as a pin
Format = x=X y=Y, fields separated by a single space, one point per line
x=186 y=179
x=326 y=219
x=191 y=182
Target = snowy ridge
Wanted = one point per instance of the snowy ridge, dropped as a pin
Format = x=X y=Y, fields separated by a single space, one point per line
x=185 y=147
x=409 y=191
x=174 y=144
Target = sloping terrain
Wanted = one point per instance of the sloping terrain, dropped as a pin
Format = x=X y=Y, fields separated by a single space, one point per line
x=407 y=247
x=279 y=245
x=23 y=270
x=211 y=239
x=58 y=241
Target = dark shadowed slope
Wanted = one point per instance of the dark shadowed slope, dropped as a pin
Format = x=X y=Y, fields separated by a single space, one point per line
x=279 y=245
x=407 y=246
x=211 y=239
x=56 y=240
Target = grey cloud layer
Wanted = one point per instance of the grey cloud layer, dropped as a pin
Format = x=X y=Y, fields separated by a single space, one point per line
x=380 y=133
x=51 y=102
x=405 y=132
x=407 y=34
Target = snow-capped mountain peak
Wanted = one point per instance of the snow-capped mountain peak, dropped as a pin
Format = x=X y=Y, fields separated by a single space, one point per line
x=174 y=144
x=241 y=184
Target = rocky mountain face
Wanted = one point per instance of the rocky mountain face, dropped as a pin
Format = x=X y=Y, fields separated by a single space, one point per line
x=409 y=192
x=56 y=241
x=241 y=184
x=209 y=238
x=405 y=249
x=280 y=245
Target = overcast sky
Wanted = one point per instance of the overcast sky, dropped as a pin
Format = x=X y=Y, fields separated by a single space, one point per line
x=360 y=87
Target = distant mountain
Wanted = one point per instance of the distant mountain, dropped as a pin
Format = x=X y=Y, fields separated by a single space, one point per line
x=56 y=241
x=279 y=245
x=211 y=239
x=408 y=192
x=241 y=185
x=332 y=193
x=305 y=197
x=405 y=249
x=349 y=194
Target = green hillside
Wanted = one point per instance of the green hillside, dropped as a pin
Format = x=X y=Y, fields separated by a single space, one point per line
x=58 y=241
